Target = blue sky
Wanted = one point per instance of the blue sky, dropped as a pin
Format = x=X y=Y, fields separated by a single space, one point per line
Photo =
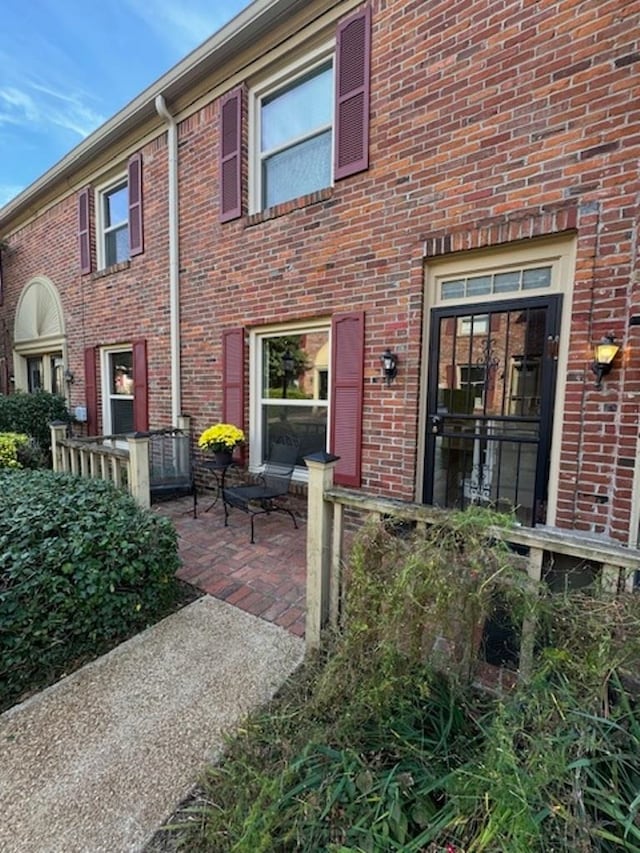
x=66 y=66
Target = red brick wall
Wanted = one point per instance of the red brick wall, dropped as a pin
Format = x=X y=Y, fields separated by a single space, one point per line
x=491 y=121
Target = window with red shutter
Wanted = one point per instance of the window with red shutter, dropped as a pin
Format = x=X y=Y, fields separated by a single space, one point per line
x=347 y=387
x=353 y=60
x=317 y=106
x=84 y=235
x=231 y=156
x=136 y=233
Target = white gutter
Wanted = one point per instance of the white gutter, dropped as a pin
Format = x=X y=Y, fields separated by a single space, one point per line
x=174 y=258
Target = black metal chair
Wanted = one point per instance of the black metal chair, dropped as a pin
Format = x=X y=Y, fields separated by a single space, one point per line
x=171 y=466
x=271 y=490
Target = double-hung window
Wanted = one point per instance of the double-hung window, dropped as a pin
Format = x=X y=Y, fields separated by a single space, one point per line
x=295 y=136
x=292 y=133
x=291 y=376
x=114 y=224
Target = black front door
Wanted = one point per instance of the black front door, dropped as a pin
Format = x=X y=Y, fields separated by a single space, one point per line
x=492 y=377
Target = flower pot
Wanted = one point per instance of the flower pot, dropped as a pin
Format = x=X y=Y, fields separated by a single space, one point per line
x=223 y=457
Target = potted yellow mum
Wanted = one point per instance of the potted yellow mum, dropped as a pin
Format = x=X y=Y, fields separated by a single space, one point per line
x=221 y=440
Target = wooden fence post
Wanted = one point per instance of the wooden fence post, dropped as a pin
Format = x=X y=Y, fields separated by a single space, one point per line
x=58 y=432
x=319 y=550
x=139 y=469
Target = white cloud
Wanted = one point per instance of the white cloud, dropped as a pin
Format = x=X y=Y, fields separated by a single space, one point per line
x=42 y=106
x=16 y=106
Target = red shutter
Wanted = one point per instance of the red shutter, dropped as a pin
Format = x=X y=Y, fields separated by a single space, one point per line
x=140 y=387
x=90 y=390
x=233 y=377
x=1 y=285
x=347 y=386
x=231 y=156
x=353 y=60
x=136 y=234
x=84 y=234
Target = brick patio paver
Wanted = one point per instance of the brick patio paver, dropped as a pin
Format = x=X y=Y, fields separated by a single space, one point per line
x=266 y=579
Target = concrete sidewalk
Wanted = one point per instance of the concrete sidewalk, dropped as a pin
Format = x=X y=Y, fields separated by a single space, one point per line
x=99 y=760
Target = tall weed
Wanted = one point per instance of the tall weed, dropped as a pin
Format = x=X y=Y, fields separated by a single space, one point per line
x=386 y=745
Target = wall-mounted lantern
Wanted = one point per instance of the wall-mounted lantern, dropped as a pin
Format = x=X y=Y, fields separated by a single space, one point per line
x=389 y=365
x=288 y=365
x=69 y=378
x=603 y=355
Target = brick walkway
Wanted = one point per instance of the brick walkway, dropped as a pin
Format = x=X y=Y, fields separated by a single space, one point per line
x=266 y=579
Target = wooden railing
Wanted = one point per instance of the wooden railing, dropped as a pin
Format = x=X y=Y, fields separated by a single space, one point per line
x=325 y=546
x=122 y=459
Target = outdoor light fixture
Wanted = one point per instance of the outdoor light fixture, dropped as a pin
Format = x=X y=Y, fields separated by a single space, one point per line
x=68 y=376
x=389 y=365
x=288 y=363
x=603 y=355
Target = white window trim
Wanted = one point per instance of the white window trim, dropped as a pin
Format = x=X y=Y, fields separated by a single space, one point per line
x=39 y=299
x=267 y=87
x=256 y=336
x=105 y=385
x=101 y=231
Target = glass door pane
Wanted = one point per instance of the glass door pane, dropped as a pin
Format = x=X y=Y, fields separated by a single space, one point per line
x=490 y=406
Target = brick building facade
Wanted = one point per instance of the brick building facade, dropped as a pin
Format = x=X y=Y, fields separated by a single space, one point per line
x=454 y=181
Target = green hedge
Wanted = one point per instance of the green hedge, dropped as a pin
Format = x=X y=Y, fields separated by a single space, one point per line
x=31 y=414
x=81 y=567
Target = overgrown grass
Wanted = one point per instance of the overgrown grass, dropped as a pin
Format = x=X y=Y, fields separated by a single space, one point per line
x=384 y=746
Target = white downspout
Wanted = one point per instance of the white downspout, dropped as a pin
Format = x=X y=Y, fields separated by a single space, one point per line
x=174 y=258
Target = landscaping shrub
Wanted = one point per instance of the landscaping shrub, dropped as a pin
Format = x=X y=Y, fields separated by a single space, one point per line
x=81 y=567
x=373 y=751
x=10 y=445
x=31 y=414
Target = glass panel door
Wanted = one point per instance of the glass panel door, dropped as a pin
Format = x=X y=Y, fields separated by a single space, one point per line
x=490 y=405
x=34 y=374
x=121 y=392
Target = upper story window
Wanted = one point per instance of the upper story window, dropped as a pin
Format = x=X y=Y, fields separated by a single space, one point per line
x=295 y=136
x=308 y=125
x=291 y=133
x=114 y=236
x=113 y=214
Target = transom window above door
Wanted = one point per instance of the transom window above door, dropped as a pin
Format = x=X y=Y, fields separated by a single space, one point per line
x=293 y=135
x=496 y=283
